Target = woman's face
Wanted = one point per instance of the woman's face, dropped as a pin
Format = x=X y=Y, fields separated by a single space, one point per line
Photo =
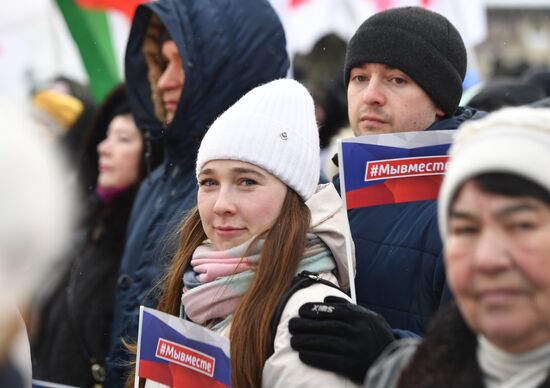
x=237 y=201
x=120 y=154
x=497 y=257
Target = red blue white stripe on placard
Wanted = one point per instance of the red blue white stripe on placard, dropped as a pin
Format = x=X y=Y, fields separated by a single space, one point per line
x=177 y=353
x=393 y=168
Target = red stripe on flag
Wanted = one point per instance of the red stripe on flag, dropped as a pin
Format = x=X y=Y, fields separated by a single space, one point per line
x=127 y=7
x=156 y=371
x=296 y=3
x=183 y=377
x=175 y=375
x=383 y=4
x=395 y=191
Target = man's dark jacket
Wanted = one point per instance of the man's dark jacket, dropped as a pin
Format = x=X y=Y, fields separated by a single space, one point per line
x=400 y=270
x=227 y=47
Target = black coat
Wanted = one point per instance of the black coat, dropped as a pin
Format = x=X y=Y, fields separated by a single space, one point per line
x=76 y=319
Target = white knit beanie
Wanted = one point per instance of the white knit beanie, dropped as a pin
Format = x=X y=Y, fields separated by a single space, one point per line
x=273 y=127
x=511 y=140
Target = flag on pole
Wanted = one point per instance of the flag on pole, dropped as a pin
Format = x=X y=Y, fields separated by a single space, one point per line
x=90 y=31
x=179 y=353
x=393 y=168
x=100 y=38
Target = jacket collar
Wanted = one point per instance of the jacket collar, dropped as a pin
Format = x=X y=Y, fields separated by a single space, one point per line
x=329 y=222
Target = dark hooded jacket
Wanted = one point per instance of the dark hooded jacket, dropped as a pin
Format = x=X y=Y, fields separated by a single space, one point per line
x=399 y=258
x=227 y=47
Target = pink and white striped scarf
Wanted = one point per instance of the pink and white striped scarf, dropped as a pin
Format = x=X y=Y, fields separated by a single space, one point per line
x=216 y=280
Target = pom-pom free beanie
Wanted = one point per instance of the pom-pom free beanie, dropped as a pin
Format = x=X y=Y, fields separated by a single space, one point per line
x=273 y=127
x=419 y=42
x=511 y=140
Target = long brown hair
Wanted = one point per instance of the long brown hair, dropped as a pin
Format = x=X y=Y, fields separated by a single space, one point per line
x=191 y=235
x=279 y=259
x=281 y=254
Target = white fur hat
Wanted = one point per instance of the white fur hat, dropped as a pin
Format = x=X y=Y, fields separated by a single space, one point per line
x=273 y=127
x=511 y=140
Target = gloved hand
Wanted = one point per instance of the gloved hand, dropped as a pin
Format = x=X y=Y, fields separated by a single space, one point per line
x=339 y=336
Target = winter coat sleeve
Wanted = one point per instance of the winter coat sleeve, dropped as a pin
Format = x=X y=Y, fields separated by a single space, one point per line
x=284 y=369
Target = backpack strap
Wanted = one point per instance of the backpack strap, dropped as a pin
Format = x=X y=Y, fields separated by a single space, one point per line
x=303 y=280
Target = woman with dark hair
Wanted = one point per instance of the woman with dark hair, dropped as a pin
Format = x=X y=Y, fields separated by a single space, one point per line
x=494 y=213
x=70 y=343
x=260 y=220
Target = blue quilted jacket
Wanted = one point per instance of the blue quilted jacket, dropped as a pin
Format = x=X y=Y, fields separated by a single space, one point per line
x=400 y=270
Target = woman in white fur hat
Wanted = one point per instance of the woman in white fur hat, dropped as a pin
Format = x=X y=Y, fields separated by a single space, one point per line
x=260 y=220
x=494 y=214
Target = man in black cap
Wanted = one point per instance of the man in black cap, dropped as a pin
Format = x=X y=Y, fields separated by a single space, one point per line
x=403 y=71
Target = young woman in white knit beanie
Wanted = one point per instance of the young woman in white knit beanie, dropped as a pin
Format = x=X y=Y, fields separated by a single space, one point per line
x=261 y=219
x=494 y=216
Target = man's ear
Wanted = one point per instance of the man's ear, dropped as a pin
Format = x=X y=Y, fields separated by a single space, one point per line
x=439 y=112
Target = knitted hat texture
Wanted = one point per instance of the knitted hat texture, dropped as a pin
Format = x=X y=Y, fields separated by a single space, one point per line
x=273 y=127
x=511 y=140
x=419 y=42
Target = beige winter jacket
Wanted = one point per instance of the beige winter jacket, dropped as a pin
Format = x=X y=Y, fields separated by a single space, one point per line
x=284 y=369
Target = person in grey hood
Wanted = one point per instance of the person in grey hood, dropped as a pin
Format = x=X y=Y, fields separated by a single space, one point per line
x=224 y=49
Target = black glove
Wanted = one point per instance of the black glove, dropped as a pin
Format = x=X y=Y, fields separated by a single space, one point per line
x=339 y=336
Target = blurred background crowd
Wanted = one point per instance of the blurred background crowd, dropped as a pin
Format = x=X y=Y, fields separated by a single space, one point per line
x=61 y=65
x=67 y=55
